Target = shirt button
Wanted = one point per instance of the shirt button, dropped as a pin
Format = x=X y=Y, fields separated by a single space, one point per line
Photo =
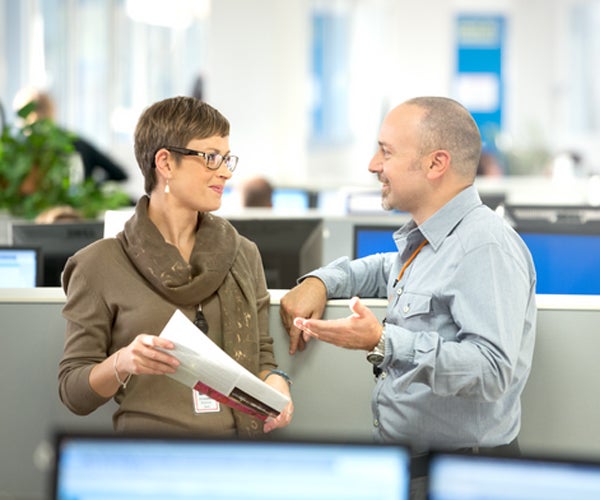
x=376 y=423
x=399 y=291
x=406 y=309
x=383 y=375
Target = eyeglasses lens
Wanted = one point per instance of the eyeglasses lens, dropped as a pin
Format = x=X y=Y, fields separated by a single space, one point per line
x=213 y=161
x=231 y=162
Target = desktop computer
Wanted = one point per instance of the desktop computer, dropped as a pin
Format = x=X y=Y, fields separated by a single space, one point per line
x=57 y=242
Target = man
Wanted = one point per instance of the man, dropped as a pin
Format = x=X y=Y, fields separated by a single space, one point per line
x=257 y=192
x=455 y=350
x=96 y=164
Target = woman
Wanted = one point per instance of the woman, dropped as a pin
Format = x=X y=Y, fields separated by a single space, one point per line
x=172 y=254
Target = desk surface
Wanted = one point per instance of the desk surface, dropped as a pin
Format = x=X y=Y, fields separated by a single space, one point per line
x=544 y=302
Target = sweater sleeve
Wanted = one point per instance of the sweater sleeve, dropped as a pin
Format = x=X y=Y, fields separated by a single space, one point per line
x=86 y=341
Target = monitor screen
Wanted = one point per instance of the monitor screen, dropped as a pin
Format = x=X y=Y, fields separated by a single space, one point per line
x=289 y=247
x=132 y=467
x=58 y=241
x=230 y=199
x=474 y=477
x=20 y=267
x=290 y=200
x=564 y=243
x=369 y=240
x=565 y=263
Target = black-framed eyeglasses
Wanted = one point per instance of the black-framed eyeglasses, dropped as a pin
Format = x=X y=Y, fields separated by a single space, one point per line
x=200 y=321
x=212 y=160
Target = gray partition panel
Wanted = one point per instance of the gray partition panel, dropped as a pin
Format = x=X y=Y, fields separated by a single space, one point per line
x=561 y=402
x=32 y=337
x=331 y=389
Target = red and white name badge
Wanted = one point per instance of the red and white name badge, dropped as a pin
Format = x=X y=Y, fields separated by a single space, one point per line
x=204 y=403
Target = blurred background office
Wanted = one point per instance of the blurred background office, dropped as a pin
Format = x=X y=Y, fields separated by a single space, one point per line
x=306 y=82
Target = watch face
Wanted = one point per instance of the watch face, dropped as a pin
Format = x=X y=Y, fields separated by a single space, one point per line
x=375 y=358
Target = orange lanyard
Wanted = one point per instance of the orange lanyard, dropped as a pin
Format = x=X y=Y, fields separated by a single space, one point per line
x=408 y=262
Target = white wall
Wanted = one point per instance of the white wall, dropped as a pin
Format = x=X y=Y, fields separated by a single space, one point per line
x=257 y=73
x=258 y=76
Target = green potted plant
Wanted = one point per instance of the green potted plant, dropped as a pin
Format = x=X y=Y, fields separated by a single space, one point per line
x=36 y=161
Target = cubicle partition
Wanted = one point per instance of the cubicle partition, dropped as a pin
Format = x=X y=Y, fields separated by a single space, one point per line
x=331 y=388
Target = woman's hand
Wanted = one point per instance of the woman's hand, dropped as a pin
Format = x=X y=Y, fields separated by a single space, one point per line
x=143 y=356
x=285 y=417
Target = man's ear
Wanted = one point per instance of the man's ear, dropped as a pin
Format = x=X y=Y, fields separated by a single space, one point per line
x=439 y=163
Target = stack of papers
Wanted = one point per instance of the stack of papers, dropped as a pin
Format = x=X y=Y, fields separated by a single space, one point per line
x=204 y=366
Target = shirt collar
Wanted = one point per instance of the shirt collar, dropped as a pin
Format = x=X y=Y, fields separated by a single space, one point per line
x=440 y=224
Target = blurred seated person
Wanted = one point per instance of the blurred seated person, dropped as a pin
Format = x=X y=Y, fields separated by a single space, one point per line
x=257 y=192
x=62 y=213
x=96 y=165
x=198 y=88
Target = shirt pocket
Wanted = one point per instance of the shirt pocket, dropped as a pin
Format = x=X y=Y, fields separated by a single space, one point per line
x=414 y=305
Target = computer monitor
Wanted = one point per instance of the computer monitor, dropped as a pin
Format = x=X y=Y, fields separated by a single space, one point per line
x=57 y=241
x=564 y=243
x=289 y=247
x=290 y=200
x=136 y=467
x=20 y=267
x=371 y=239
x=493 y=200
x=364 y=202
x=453 y=476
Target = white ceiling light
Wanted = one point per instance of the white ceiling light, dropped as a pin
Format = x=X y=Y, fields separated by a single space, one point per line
x=172 y=14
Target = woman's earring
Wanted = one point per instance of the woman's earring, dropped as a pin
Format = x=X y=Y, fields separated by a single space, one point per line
x=167 y=188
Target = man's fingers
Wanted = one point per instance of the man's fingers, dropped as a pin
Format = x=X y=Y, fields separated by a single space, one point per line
x=286 y=319
x=296 y=342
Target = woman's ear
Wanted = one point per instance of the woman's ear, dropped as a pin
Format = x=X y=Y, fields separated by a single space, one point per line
x=163 y=163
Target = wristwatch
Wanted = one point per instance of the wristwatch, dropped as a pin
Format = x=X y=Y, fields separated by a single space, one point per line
x=378 y=353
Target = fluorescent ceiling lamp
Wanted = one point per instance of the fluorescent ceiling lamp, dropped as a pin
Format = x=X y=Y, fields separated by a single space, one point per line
x=171 y=14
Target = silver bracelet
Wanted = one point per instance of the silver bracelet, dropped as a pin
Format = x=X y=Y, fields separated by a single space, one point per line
x=281 y=373
x=122 y=383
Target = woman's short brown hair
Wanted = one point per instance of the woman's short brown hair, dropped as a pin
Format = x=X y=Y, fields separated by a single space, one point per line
x=173 y=122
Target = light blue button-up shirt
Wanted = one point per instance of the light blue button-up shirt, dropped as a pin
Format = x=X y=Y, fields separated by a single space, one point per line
x=460 y=327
